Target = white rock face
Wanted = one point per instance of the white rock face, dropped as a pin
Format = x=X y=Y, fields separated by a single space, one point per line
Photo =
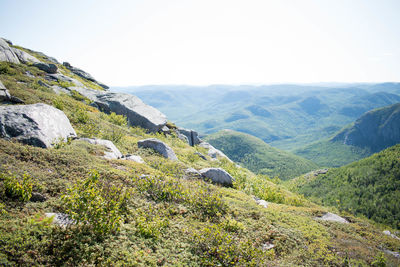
x=218 y=176
x=137 y=112
x=6 y=53
x=113 y=152
x=332 y=218
x=159 y=147
x=38 y=124
x=387 y=232
x=25 y=57
x=213 y=152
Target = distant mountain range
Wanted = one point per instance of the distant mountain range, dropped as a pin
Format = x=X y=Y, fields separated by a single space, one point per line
x=288 y=117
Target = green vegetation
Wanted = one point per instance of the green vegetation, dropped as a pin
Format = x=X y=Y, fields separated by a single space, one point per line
x=332 y=154
x=256 y=155
x=152 y=214
x=370 y=187
x=17 y=188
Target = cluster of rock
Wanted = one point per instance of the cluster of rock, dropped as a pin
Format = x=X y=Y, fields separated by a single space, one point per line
x=83 y=74
x=15 y=55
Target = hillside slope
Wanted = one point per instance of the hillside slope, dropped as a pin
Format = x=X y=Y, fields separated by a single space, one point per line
x=154 y=212
x=370 y=187
x=259 y=157
x=372 y=132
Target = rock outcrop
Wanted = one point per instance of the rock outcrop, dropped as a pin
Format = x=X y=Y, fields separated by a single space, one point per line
x=192 y=173
x=7 y=53
x=218 y=176
x=191 y=136
x=25 y=57
x=39 y=125
x=113 y=152
x=213 y=152
x=159 y=147
x=137 y=112
x=46 y=67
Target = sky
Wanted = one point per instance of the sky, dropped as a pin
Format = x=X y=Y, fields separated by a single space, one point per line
x=202 y=42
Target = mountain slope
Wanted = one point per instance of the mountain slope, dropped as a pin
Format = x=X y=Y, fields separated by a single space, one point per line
x=152 y=213
x=375 y=130
x=370 y=187
x=372 y=132
x=256 y=155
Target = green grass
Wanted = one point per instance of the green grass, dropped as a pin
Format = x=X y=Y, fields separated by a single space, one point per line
x=259 y=157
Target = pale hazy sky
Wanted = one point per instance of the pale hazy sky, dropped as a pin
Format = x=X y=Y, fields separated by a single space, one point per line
x=213 y=41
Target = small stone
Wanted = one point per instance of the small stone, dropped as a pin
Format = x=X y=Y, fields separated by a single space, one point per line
x=60 y=219
x=332 y=218
x=218 y=176
x=159 y=147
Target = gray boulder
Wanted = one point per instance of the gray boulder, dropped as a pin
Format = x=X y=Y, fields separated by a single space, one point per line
x=134 y=158
x=261 y=202
x=6 y=53
x=112 y=153
x=39 y=125
x=213 y=152
x=25 y=57
x=46 y=67
x=192 y=136
x=158 y=146
x=218 y=176
x=137 y=112
x=332 y=218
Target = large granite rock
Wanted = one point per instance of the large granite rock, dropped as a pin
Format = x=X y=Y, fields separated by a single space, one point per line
x=25 y=57
x=46 y=67
x=112 y=153
x=331 y=217
x=83 y=74
x=192 y=136
x=213 y=152
x=158 y=146
x=218 y=176
x=137 y=112
x=7 y=53
x=58 y=77
x=38 y=124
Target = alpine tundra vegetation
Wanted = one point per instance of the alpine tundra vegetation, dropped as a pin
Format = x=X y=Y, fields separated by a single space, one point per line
x=107 y=180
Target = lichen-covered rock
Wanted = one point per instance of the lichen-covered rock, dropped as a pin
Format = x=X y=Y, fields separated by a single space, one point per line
x=7 y=53
x=134 y=158
x=39 y=125
x=218 y=176
x=159 y=147
x=113 y=152
x=60 y=219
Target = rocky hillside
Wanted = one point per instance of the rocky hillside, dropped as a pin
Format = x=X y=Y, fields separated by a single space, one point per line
x=96 y=178
x=259 y=157
x=370 y=187
x=375 y=130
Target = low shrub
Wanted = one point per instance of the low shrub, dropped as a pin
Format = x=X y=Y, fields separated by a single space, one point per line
x=101 y=206
x=15 y=187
